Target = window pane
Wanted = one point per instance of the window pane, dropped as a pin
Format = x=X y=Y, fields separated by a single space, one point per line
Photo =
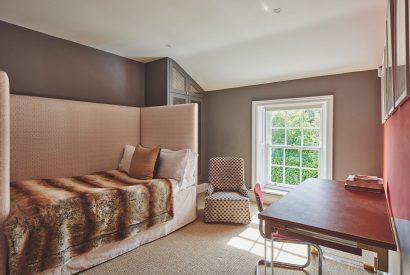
x=310 y=158
x=278 y=119
x=311 y=118
x=294 y=137
x=278 y=136
x=311 y=137
x=277 y=174
x=292 y=157
x=309 y=174
x=294 y=118
x=277 y=156
x=292 y=176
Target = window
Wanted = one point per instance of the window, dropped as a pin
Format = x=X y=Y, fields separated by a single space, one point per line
x=292 y=141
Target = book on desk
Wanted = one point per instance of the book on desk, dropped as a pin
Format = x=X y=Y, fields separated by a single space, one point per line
x=364 y=183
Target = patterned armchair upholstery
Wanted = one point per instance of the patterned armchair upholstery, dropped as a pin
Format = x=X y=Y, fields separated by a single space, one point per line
x=227 y=199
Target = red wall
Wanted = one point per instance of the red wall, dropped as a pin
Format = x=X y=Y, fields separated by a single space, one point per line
x=396 y=161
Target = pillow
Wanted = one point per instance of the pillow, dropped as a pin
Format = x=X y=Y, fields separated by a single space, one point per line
x=172 y=164
x=126 y=158
x=144 y=162
x=191 y=165
x=189 y=176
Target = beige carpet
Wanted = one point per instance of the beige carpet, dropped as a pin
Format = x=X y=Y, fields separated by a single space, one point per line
x=201 y=248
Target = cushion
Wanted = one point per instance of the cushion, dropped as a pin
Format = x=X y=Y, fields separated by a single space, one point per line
x=126 y=158
x=172 y=164
x=226 y=196
x=189 y=175
x=144 y=162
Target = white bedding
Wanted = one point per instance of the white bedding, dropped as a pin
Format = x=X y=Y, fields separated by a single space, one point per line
x=177 y=186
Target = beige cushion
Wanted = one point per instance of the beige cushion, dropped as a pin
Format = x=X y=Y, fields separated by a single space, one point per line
x=179 y=165
x=172 y=164
x=125 y=162
x=144 y=161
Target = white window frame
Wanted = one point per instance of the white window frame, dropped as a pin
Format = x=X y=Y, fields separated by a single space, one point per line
x=259 y=147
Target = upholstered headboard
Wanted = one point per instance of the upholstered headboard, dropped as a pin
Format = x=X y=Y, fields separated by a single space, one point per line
x=173 y=127
x=58 y=138
x=4 y=163
x=62 y=138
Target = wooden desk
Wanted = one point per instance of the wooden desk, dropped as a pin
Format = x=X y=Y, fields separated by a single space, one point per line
x=324 y=213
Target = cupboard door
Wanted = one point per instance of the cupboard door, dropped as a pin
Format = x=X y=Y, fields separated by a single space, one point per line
x=175 y=99
x=194 y=89
x=198 y=101
x=178 y=79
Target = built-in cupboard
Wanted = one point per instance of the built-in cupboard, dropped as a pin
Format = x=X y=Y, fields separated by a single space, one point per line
x=166 y=83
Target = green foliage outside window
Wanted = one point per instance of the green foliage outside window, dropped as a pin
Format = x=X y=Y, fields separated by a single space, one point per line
x=277 y=156
x=310 y=158
x=294 y=137
x=294 y=118
x=292 y=157
x=277 y=174
x=311 y=137
x=309 y=174
x=278 y=136
x=292 y=176
x=278 y=119
x=311 y=118
x=295 y=128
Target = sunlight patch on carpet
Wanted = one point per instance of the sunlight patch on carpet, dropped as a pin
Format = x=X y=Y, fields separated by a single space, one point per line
x=251 y=241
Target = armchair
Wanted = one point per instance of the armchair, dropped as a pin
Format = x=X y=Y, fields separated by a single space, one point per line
x=227 y=199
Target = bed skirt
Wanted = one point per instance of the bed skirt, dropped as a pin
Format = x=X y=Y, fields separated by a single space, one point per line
x=184 y=213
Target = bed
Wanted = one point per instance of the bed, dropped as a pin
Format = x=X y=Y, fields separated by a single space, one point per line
x=44 y=138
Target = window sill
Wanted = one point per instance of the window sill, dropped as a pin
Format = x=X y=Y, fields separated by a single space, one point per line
x=275 y=192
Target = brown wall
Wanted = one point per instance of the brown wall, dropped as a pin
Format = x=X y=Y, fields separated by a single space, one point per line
x=357 y=119
x=43 y=65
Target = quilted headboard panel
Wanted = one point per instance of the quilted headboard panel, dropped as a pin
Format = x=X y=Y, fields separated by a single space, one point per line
x=60 y=138
x=172 y=127
x=4 y=163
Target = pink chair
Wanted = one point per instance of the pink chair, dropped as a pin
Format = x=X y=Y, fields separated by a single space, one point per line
x=281 y=238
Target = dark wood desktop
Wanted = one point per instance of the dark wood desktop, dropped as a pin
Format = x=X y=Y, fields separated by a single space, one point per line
x=324 y=213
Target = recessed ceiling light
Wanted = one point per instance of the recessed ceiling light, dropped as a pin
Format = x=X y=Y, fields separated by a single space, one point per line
x=265 y=7
x=277 y=10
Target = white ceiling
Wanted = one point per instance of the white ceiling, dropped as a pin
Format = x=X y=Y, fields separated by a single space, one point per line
x=220 y=43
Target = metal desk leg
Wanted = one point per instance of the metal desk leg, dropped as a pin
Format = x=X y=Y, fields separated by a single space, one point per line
x=266 y=260
x=320 y=254
x=271 y=256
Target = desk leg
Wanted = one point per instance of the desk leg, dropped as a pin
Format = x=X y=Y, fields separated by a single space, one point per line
x=381 y=263
x=383 y=260
x=268 y=236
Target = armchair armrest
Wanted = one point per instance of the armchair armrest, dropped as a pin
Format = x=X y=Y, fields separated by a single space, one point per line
x=244 y=191
x=210 y=190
